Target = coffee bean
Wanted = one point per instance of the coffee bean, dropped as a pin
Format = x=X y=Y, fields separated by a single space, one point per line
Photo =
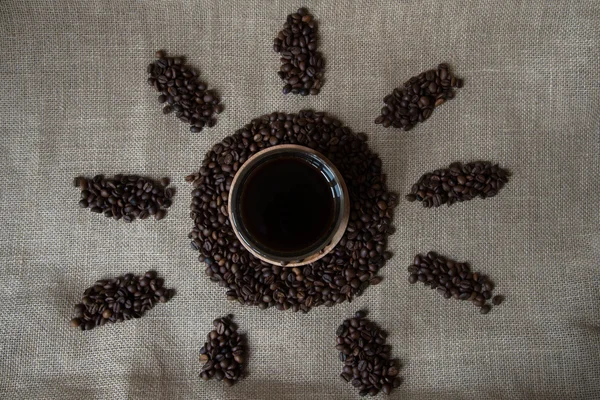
x=302 y=64
x=376 y=280
x=497 y=300
x=117 y=300
x=75 y=323
x=160 y=214
x=450 y=279
x=126 y=196
x=165 y=181
x=485 y=309
x=79 y=310
x=414 y=102
x=150 y=275
x=459 y=182
x=183 y=92
x=366 y=357
x=339 y=276
x=223 y=353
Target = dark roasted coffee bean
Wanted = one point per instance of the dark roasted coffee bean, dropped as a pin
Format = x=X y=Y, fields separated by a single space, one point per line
x=376 y=280
x=416 y=100
x=79 y=310
x=183 y=92
x=341 y=275
x=116 y=300
x=450 y=278
x=366 y=356
x=461 y=182
x=160 y=214
x=302 y=64
x=386 y=388
x=128 y=197
x=75 y=323
x=497 y=300
x=223 y=353
x=150 y=275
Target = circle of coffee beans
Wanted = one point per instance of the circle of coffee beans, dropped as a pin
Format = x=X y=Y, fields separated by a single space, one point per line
x=301 y=63
x=125 y=196
x=119 y=299
x=339 y=276
x=453 y=279
x=459 y=182
x=366 y=357
x=414 y=102
x=179 y=87
x=223 y=353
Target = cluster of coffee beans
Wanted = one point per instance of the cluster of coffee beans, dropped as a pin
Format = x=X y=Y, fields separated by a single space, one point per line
x=223 y=353
x=119 y=299
x=458 y=182
x=416 y=100
x=453 y=279
x=180 y=88
x=125 y=196
x=301 y=65
x=339 y=276
x=366 y=357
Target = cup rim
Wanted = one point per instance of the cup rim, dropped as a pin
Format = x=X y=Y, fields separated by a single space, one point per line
x=342 y=217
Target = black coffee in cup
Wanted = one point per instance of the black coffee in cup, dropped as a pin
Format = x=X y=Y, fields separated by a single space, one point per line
x=287 y=205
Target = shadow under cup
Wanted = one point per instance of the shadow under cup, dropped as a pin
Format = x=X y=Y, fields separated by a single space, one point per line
x=288 y=205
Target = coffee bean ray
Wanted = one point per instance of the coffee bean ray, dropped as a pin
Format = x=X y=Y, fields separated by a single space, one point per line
x=224 y=353
x=119 y=299
x=366 y=357
x=183 y=92
x=301 y=63
x=415 y=101
x=459 y=182
x=453 y=279
x=125 y=197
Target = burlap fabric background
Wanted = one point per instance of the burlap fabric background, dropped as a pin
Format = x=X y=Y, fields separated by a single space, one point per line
x=74 y=100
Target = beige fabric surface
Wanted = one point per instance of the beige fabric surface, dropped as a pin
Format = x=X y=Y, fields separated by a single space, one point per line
x=74 y=100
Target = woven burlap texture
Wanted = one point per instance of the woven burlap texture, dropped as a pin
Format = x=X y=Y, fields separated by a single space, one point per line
x=74 y=100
